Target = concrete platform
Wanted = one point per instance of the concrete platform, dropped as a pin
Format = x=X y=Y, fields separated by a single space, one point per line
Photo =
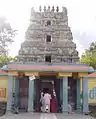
x=44 y=116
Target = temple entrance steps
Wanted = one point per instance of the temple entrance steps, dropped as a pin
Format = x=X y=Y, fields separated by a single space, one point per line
x=45 y=116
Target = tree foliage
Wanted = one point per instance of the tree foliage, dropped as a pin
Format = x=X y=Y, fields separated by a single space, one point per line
x=5 y=59
x=89 y=57
x=6 y=36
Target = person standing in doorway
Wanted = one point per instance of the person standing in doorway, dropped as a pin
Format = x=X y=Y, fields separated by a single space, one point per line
x=42 y=101
x=47 y=98
x=54 y=102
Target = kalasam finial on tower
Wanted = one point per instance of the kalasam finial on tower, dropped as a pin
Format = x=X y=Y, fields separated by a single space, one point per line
x=57 y=9
x=40 y=9
x=32 y=10
x=64 y=10
x=48 y=8
x=44 y=8
x=53 y=9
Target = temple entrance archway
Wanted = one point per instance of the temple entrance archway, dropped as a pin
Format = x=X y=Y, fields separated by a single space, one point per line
x=46 y=82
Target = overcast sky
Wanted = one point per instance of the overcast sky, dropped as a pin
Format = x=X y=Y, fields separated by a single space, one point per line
x=81 y=19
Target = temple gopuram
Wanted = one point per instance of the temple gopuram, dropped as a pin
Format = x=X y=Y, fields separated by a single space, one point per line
x=48 y=38
x=47 y=60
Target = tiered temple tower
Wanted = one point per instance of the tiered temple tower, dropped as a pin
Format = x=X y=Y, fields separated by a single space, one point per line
x=48 y=38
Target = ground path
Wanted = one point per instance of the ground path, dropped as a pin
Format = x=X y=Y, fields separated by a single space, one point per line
x=45 y=116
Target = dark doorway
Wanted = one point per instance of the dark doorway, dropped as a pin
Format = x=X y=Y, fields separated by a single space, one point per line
x=23 y=93
x=46 y=83
x=46 y=86
x=46 y=90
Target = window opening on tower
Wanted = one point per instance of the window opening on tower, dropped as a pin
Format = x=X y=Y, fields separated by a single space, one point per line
x=48 y=38
x=48 y=58
x=48 y=22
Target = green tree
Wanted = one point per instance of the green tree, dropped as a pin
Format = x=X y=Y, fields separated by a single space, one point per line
x=5 y=59
x=89 y=57
x=6 y=36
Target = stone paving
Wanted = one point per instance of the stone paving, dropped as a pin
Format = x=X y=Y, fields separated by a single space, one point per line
x=45 y=116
